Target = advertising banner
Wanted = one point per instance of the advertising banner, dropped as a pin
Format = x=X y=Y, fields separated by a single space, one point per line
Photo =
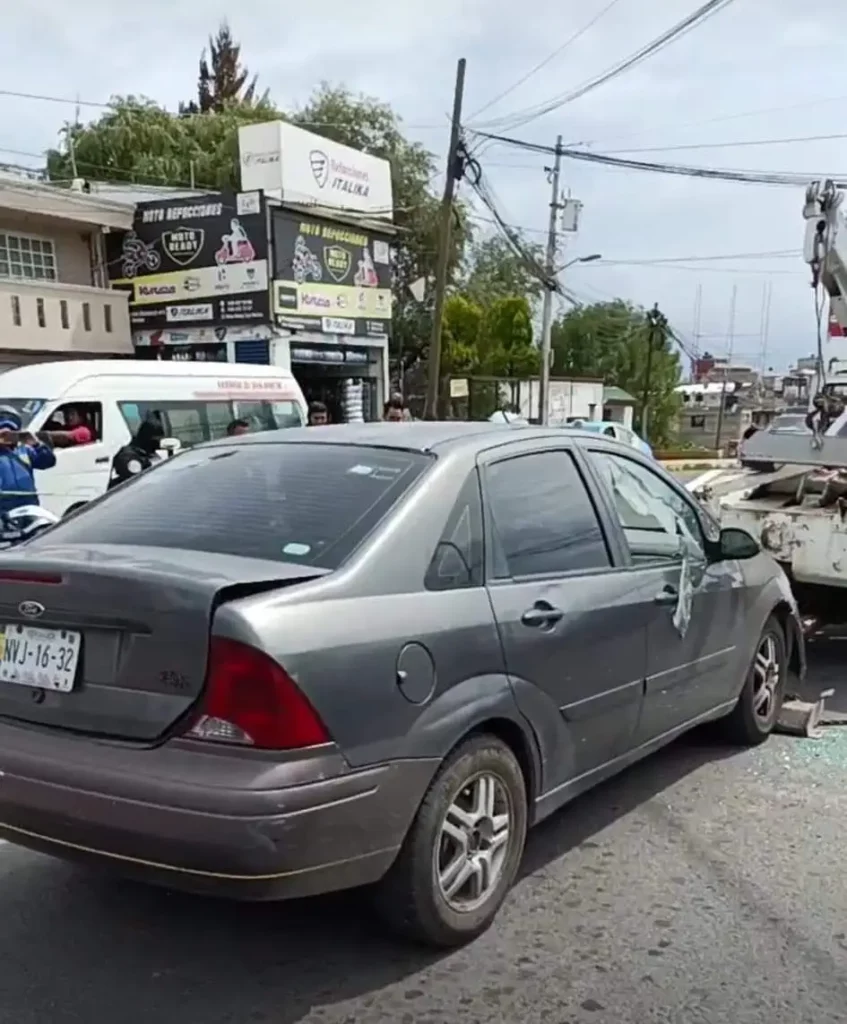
x=202 y=260
x=300 y=167
x=330 y=277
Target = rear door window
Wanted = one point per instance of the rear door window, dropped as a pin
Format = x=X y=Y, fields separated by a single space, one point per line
x=543 y=521
x=306 y=503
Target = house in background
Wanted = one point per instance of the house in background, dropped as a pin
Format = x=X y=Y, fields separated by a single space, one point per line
x=55 y=299
x=618 y=406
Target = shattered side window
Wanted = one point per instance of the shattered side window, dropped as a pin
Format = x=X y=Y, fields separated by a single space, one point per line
x=656 y=521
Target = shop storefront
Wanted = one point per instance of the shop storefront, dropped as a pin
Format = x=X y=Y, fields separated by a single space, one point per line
x=332 y=297
x=197 y=271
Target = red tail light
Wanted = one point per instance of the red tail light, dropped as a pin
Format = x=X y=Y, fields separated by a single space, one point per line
x=251 y=701
x=20 y=576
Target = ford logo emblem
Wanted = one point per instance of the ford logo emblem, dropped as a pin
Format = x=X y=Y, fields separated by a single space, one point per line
x=31 y=609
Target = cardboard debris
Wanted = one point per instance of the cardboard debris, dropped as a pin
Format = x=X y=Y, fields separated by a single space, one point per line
x=802 y=717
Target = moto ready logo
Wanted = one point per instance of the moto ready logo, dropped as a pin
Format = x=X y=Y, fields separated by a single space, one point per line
x=149 y=291
x=337 y=261
x=183 y=245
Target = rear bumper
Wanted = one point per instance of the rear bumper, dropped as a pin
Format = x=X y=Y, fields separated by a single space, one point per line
x=149 y=814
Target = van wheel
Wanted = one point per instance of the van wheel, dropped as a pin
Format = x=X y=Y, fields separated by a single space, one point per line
x=463 y=850
x=755 y=715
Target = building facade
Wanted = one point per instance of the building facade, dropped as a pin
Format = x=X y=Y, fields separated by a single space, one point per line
x=55 y=300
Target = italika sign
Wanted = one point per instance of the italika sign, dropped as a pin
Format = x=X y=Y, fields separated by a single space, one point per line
x=313 y=171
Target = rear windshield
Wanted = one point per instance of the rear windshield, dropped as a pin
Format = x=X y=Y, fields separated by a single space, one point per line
x=306 y=503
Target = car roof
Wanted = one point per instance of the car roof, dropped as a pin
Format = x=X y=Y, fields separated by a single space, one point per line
x=417 y=435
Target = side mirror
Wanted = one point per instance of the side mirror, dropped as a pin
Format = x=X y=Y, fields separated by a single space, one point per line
x=170 y=445
x=736 y=545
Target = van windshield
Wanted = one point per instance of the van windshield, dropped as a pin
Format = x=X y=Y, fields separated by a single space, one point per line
x=26 y=408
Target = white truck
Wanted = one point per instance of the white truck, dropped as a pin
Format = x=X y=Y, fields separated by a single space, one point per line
x=790 y=491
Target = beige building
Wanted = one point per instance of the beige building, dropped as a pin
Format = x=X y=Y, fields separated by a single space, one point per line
x=55 y=302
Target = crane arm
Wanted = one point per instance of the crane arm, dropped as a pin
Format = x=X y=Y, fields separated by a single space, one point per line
x=825 y=246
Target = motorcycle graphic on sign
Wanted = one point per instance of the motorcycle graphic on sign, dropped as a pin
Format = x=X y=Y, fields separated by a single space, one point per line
x=236 y=247
x=137 y=256
x=305 y=265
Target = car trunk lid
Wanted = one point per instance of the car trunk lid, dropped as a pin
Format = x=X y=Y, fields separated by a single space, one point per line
x=126 y=628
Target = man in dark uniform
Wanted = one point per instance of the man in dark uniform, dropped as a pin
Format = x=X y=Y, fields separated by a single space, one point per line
x=139 y=454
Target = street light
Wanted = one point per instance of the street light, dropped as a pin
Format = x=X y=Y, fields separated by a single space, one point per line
x=582 y=259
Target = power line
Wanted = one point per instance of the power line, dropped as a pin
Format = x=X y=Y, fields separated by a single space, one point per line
x=550 y=57
x=720 y=118
x=754 y=177
x=671 y=35
x=145 y=107
x=774 y=254
x=731 y=145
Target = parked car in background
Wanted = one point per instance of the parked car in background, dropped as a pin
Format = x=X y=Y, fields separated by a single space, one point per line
x=609 y=428
x=305 y=660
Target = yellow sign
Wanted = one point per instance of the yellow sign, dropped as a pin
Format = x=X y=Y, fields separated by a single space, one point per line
x=332 y=300
x=199 y=283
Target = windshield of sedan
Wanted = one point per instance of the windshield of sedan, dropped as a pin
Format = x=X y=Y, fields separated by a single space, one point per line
x=307 y=503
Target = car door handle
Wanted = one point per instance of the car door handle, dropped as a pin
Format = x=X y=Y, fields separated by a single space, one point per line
x=100 y=461
x=542 y=614
x=668 y=595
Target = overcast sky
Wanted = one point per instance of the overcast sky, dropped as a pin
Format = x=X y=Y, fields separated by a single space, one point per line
x=779 y=61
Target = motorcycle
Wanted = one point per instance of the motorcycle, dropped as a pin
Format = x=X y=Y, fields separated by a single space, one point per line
x=24 y=523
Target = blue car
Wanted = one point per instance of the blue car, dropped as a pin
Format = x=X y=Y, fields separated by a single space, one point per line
x=616 y=430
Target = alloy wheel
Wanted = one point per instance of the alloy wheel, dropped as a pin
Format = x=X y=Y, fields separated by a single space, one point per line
x=766 y=676
x=473 y=843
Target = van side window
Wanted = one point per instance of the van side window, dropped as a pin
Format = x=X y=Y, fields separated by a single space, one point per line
x=186 y=421
x=77 y=414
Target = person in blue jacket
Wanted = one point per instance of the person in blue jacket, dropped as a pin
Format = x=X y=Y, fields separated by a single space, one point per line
x=20 y=456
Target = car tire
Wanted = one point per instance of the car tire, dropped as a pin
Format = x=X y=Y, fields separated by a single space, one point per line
x=477 y=799
x=754 y=716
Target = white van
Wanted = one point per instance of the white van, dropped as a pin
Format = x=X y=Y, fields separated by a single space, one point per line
x=197 y=401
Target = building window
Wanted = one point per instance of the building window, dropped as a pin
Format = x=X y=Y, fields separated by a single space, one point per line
x=107 y=318
x=27 y=258
x=39 y=312
x=63 y=313
x=86 y=315
x=16 y=310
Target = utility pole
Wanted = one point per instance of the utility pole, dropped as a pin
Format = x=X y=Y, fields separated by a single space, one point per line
x=656 y=324
x=547 y=308
x=433 y=386
x=730 y=346
x=71 y=143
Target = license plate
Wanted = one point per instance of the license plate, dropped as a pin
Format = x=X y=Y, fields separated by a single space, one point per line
x=44 y=658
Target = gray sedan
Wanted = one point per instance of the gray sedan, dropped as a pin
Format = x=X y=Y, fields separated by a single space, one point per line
x=307 y=660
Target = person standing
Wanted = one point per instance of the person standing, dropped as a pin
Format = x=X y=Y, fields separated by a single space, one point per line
x=21 y=454
x=140 y=454
x=237 y=428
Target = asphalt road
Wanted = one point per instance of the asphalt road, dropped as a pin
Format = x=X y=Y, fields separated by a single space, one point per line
x=701 y=887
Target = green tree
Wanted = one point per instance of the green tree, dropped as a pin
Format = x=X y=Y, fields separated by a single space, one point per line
x=222 y=80
x=496 y=271
x=611 y=340
x=461 y=329
x=137 y=141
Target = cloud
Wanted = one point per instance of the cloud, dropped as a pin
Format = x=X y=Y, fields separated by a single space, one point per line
x=690 y=93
